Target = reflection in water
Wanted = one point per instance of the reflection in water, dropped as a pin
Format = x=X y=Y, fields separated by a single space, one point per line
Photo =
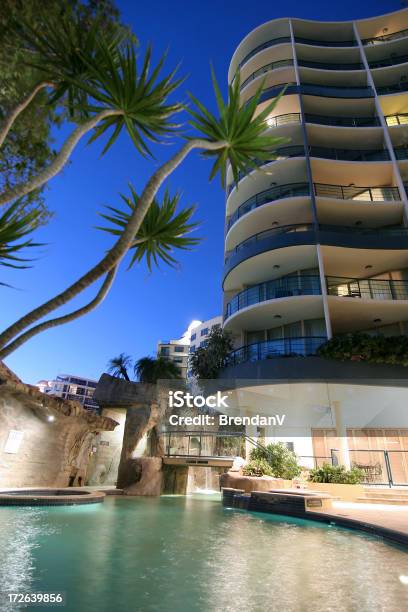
x=191 y=555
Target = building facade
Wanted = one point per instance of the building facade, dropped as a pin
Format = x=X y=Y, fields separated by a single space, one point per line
x=71 y=387
x=316 y=241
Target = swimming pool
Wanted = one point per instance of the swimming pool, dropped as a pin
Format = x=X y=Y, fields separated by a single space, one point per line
x=183 y=554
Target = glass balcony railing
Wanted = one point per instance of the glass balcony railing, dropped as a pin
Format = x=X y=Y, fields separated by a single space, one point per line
x=287 y=286
x=401 y=119
x=269 y=195
x=354 y=192
x=330 y=65
x=391 y=89
x=355 y=155
x=284 y=119
x=333 y=91
x=385 y=38
x=382 y=232
x=389 y=61
x=343 y=121
x=349 y=154
x=401 y=152
x=267 y=68
x=326 y=43
x=371 y=288
x=283 y=347
x=265 y=45
x=281 y=153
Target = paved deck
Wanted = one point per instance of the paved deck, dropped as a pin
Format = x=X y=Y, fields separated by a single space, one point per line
x=380 y=515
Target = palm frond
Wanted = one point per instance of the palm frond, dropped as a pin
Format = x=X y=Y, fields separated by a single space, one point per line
x=163 y=230
x=15 y=227
x=240 y=126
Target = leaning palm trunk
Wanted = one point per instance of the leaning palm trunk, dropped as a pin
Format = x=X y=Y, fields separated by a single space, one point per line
x=76 y=314
x=61 y=159
x=116 y=253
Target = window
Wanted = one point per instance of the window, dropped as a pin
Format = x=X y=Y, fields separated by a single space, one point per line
x=216 y=326
x=179 y=349
x=193 y=337
x=203 y=343
x=165 y=350
x=192 y=349
x=178 y=360
x=204 y=331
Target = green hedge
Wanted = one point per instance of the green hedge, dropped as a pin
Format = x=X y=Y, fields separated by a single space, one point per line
x=336 y=474
x=392 y=350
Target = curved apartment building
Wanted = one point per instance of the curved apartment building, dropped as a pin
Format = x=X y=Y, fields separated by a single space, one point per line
x=316 y=240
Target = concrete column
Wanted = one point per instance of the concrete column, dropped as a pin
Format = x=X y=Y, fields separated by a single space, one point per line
x=341 y=432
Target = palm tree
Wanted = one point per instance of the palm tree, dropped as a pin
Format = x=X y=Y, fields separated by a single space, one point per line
x=150 y=370
x=119 y=366
x=109 y=92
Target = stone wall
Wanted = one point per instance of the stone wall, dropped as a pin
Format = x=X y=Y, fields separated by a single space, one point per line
x=44 y=440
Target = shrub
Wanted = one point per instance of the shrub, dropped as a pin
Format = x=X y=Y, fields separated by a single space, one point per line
x=336 y=474
x=257 y=467
x=392 y=350
x=283 y=462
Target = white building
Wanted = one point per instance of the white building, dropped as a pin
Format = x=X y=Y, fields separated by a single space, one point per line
x=71 y=387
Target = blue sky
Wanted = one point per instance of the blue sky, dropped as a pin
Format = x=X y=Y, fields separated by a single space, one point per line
x=143 y=308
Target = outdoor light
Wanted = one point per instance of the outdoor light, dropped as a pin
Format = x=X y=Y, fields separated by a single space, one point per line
x=275 y=223
x=368 y=267
x=358 y=223
x=376 y=320
x=277 y=317
x=50 y=418
x=276 y=267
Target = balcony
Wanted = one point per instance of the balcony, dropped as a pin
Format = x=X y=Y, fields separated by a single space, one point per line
x=265 y=45
x=280 y=192
x=385 y=237
x=401 y=152
x=287 y=286
x=389 y=61
x=267 y=68
x=392 y=89
x=270 y=349
x=359 y=155
x=281 y=153
x=368 y=289
x=311 y=89
x=354 y=192
x=343 y=121
x=326 y=43
x=330 y=65
x=385 y=38
x=400 y=119
x=285 y=119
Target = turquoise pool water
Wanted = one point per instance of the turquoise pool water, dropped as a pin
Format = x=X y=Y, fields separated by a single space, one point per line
x=187 y=554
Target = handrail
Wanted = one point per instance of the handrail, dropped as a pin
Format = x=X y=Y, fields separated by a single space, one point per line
x=342 y=121
x=395 y=88
x=301 y=346
x=308 y=227
x=355 y=192
x=401 y=152
x=266 y=68
x=286 y=286
x=322 y=190
x=265 y=45
x=326 y=43
x=330 y=65
x=269 y=195
x=283 y=119
x=366 y=155
x=390 y=61
x=330 y=91
x=385 y=37
x=367 y=288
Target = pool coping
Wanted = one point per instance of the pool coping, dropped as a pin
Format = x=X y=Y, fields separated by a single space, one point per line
x=391 y=535
x=80 y=498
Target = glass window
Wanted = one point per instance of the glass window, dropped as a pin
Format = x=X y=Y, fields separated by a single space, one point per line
x=275 y=333
x=192 y=349
x=203 y=343
x=204 y=331
x=292 y=330
x=315 y=327
x=255 y=336
x=165 y=350
x=179 y=349
x=193 y=337
x=178 y=360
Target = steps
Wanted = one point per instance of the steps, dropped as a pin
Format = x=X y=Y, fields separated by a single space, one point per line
x=395 y=497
